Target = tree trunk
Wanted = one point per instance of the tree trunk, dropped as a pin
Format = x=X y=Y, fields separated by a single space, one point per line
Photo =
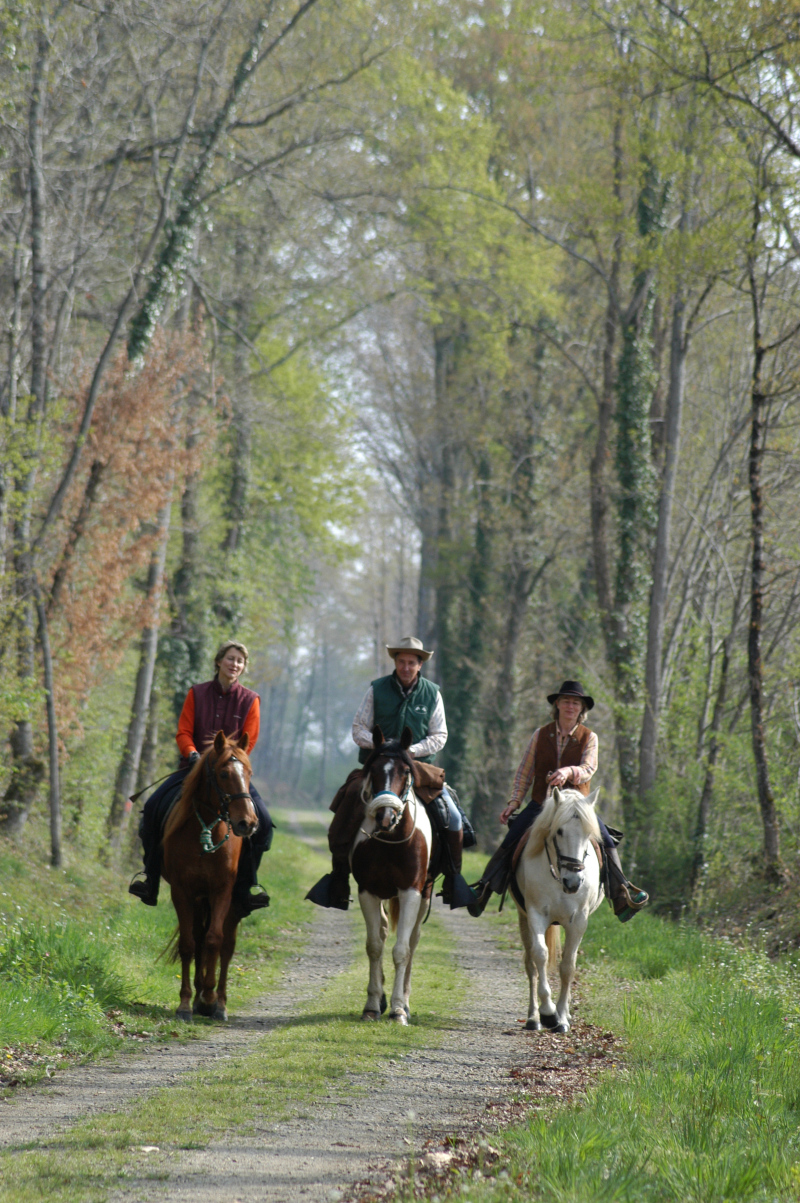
x=129 y=765
x=52 y=734
x=658 y=595
x=766 y=802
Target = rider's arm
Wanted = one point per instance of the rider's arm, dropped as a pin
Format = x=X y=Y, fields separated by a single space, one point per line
x=524 y=777
x=364 y=721
x=436 y=738
x=252 y=723
x=588 y=766
x=185 y=735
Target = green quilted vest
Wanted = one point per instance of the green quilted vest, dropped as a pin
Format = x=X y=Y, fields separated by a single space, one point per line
x=393 y=710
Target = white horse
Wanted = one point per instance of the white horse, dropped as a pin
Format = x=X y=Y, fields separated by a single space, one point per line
x=558 y=876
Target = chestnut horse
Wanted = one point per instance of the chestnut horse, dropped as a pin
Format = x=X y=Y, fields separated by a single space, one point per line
x=202 y=844
x=389 y=860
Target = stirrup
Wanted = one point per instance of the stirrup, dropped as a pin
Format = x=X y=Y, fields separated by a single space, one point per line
x=143 y=890
x=482 y=892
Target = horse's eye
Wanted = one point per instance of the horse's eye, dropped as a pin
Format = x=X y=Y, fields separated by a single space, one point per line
x=560 y=831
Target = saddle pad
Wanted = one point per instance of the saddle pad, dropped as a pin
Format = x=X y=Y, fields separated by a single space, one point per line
x=167 y=804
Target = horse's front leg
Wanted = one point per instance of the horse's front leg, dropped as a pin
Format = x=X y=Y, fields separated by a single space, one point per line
x=206 y=999
x=533 y=1023
x=575 y=932
x=377 y=927
x=538 y=925
x=225 y=956
x=186 y=947
x=412 y=944
x=410 y=910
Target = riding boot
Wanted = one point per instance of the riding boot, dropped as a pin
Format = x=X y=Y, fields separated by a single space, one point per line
x=147 y=890
x=625 y=897
x=334 y=888
x=455 y=891
x=246 y=878
x=494 y=879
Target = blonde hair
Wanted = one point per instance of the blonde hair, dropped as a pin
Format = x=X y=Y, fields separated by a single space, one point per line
x=226 y=647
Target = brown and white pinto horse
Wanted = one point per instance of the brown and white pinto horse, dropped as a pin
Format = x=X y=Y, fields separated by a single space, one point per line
x=202 y=844
x=389 y=861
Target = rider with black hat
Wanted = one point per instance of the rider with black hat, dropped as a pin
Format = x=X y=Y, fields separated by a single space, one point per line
x=561 y=753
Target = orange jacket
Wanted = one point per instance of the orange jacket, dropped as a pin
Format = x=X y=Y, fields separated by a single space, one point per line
x=185 y=737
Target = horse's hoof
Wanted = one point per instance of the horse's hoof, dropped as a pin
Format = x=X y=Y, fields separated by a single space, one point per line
x=400 y=1017
x=372 y=1015
x=407 y=1010
x=220 y=1013
x=533 y=1026
x=205 y=1009
x=186 y=1016
x=549 y=1021
x=561 y=1027
x=384 y=1003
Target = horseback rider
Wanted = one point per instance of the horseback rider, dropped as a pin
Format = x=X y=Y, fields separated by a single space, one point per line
x=563 y=753
x=404 y=698
x=221 y=704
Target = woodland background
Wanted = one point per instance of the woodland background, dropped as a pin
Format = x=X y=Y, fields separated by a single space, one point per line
x=332 y=321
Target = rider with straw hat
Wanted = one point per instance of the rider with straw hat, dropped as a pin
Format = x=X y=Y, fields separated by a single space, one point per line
x=401 y=699
x=222 y=704
x=561 y=754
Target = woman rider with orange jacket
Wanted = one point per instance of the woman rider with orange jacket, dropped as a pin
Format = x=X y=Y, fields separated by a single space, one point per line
x=221 y=704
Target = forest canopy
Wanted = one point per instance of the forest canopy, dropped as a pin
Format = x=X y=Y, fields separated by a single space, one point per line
x=329 y=321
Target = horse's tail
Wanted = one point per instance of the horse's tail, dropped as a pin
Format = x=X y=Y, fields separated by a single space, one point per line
x=170 y=949
x=394 y=911
x=552 y=939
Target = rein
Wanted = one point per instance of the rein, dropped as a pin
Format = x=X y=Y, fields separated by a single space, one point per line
x=223 y=814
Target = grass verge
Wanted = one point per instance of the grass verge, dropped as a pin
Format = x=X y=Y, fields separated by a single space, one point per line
x=323 y=1053
x=708 y=1106
x=79 y=970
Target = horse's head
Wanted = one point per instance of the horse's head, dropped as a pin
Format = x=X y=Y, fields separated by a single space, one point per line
x=572 y=824
x=227 y=771
x=387 y=772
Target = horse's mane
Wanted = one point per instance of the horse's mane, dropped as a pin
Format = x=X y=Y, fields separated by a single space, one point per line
x=571 y=803
x=184 y=807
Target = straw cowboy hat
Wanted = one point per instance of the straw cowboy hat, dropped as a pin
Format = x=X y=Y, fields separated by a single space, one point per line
x=571 y=689
x=409 y=644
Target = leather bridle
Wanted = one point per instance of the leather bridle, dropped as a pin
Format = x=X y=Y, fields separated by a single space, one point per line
x=569 y=863
x=223 y=814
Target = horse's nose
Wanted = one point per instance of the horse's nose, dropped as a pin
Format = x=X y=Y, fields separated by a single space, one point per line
x=245 y=827
x=571 y=884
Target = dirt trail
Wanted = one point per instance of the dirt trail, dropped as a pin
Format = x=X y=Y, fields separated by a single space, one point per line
x=332 y=1144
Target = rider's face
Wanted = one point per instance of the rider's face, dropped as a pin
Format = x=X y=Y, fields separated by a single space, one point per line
x=231 y=667
x=407 y=667
x=569 y=709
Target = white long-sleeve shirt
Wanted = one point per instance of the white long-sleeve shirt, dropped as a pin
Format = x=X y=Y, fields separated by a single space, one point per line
x=433 y=742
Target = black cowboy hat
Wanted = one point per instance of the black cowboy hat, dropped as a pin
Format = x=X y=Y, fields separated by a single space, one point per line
x=571 y=689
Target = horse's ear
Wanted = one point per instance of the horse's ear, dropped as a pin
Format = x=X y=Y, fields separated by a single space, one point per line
x=557 y=796
x=591 y=799
x=244 y=742
x=406 y=739
x=377 y=737
x=219 y=741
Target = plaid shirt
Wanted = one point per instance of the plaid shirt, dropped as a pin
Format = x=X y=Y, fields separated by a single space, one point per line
x=580 y=772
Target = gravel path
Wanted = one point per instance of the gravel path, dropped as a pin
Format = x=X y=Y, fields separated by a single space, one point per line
x=319 y=1155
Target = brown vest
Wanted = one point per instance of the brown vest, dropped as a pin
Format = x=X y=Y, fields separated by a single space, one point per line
x=546 y=760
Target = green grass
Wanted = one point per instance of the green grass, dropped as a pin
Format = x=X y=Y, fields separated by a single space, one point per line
x=708 y=1106
x=324 y=1053
x=79 y=957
